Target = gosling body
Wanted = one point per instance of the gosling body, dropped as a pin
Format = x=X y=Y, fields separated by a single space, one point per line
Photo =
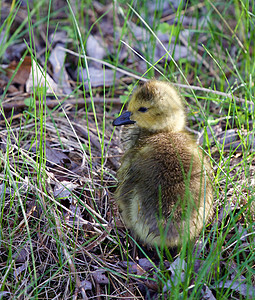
x=164 y=192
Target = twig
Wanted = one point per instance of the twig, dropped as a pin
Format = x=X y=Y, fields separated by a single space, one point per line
x=19 y=104
x=100 y=239
x=198 y=88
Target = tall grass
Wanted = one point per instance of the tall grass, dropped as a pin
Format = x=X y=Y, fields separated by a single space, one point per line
x=53 y=244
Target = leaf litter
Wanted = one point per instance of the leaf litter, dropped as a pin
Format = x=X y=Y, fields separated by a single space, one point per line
x=57 y=185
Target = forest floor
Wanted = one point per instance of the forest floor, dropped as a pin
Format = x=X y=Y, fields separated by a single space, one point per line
x=67 y=69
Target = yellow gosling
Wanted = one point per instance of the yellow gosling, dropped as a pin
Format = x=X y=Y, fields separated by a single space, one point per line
x=164 y=192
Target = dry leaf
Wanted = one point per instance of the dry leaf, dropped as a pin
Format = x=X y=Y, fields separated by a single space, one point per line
x=100 y=77
x=23 y=72
x=38 y=78
x=241 y=288
x=207 y=293
x=95 y=47
x=100 y=277
x=57 y=60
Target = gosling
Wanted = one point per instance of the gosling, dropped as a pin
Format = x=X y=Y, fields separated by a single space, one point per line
x=164 y=191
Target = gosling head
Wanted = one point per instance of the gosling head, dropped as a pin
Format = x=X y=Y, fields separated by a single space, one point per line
x=155 y=106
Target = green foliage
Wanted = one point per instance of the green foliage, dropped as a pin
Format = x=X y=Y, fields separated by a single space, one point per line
x=167 y=28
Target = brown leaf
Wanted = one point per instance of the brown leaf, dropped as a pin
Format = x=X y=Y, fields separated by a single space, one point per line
x=23 y=72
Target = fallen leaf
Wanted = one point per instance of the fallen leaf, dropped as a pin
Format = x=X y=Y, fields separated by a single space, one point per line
x=64 y=189
x=207 y=293
x=100 y=277
x=99 y=77
x=53 y=156
x=95 y=47
x=87 y=285
x=60 y=76
x=38 y=78
x=241 y=288
x=177 y=269
x=22 y=73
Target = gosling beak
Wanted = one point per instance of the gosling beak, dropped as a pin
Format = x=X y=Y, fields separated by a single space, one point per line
x=123 y=119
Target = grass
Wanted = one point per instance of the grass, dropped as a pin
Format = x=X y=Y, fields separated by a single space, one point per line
x=61 y=234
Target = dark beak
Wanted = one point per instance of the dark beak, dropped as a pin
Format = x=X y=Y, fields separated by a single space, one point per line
x=123 y=119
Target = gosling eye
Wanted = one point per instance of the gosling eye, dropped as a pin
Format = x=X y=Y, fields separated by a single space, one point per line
x=143 y=109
